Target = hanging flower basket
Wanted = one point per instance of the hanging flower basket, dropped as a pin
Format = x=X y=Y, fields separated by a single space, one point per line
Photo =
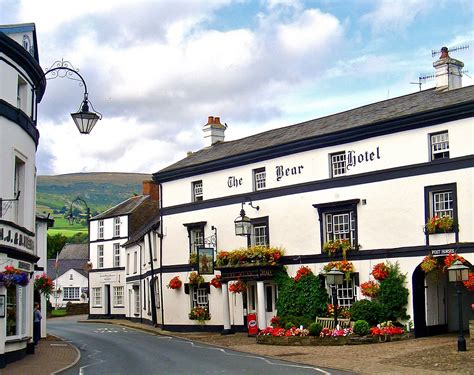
x=196 y=279
x=175 y=283
x=238 y=287
x=370 y=289
x=193 y=258
x=441 y=224
x=380 y=271
x=216 y=282
x=44 y=284
x=343 y=266
x=13 y=276
x=451 y=258
x=469 y=284
x=337 y=246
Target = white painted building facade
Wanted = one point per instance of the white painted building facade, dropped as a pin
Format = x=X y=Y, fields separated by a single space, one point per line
x=20 y=91
x=374 y=175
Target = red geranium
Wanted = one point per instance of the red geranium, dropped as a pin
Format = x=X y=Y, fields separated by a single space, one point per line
x=216 y=282
x=380 y=271
x=451 y=258
x=175 y=283
x=370 y=289
x=303 y=271
x=238 y=287
x=469 y=284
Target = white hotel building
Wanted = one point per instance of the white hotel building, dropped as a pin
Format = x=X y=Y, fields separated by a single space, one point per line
x=374 y=174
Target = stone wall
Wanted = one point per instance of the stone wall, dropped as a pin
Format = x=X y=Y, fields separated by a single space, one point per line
x=327 y=341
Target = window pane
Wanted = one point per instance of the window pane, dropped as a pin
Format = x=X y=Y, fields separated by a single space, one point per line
x=439 y=146
x=260 y=179
x=338 y=164
x=443 y=204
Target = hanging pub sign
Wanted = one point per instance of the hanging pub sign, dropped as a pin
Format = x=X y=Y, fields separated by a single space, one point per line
x=15 y=237
x=205 y=260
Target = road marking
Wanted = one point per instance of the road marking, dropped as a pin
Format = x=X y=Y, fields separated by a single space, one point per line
x=254 y=356
x=58 y=344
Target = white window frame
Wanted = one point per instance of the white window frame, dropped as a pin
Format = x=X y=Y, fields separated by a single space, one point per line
x=197 y=239
x=259 y=179
x=117 y=227
x=118 y=295
x=260 y=234
x=339 y=226
x=135 y=257
x=116 y=254
x=96 y=297
x=100 y=229
x=136 y=292
x=439 y=145
x=128 y=263
x=197 y=191
x=199 y=297
x=442 y=203
x=71 y=293
x=157 y=294
x=100 y=256
x=338 y=163
x=346 y=293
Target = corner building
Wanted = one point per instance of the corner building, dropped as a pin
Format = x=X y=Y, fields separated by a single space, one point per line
x=373 y=175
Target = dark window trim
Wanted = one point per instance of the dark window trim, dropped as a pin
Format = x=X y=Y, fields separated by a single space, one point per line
x=336 y=207
x=193 y=193
x=256 y=221
x=199 y=225
x=254 y=181
x=429 y=190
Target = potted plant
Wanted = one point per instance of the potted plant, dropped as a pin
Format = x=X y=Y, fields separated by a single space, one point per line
x=200 y=314
x=370 y=289
x=238 y=287
x=337 y=246
x=216 y=282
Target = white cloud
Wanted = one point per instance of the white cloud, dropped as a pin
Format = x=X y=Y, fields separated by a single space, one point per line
x=394 y=15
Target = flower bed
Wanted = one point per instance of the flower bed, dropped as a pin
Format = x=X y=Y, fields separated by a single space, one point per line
x=252 y=256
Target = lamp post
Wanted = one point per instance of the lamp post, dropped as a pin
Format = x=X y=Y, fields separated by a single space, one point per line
x=84 y=119
x=458 y=273
x=334 y=278
x=75 y=219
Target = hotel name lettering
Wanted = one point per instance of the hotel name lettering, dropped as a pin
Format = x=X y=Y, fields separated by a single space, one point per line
x=353 y=159
x=10 y=236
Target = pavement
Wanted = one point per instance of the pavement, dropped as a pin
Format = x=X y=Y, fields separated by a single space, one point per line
x=53 y=355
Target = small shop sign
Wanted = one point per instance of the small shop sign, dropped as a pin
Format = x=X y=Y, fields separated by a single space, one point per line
x=442 y=252
x=15 y=237
x=107 y=277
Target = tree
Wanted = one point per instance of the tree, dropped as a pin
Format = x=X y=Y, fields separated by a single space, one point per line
x=55 y=244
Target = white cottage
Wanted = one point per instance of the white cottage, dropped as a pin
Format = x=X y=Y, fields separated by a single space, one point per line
x=373 y=175
x=108 y=232
x=21 y=89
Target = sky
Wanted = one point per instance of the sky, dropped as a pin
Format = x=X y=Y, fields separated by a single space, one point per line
x=157 y=69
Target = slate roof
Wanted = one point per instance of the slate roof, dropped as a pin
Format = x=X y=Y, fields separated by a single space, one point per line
x=123 y=208
x=65 y=265
x=146 y=226
x=75 y=251
x=384 y=111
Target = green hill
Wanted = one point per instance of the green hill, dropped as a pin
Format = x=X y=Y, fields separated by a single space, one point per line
x=100 y=191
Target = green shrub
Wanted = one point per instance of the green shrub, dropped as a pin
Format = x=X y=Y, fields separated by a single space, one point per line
x=59 y=312
x=372 y=312
x=361 y=328
x=296 y=320
x=394 y=295
x=306 y=298
x=289 y=325
x=315 y=329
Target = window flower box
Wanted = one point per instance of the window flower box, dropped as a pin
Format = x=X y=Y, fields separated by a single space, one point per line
x=196 y=279
x=200 y=314
x=252 y=256
x=443 y=224
x=331 y=248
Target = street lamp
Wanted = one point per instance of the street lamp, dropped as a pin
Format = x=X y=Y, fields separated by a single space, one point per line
x=458 y=273
x=84 y=119
x=334 y=278
x=242 y=223
x=75 y=219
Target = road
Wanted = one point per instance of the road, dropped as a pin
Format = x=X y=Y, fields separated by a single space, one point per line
x=109 y=349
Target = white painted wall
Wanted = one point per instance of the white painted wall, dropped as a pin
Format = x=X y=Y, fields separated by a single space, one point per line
x=70 y=278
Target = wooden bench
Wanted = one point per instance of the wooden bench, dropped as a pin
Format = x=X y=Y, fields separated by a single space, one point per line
x=329 y=322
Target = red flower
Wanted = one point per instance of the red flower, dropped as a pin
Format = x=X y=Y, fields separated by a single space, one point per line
x=469 y=284
x=370 y=289
x=216 y=282
x=175 y=283
x=303 y=271
x=380 y=271
x=451 y=258
x=238 y=287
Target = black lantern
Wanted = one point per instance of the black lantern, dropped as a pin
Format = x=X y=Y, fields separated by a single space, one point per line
x=242 y=224
x=334 y=278
x=458 y=273
x=85 y=120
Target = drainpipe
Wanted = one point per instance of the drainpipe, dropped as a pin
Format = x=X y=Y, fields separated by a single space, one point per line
x=152 y=283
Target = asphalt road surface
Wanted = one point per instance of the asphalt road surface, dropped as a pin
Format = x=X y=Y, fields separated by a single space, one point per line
x=109 y=349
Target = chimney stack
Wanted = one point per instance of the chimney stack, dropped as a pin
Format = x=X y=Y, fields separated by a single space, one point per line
x=213 y=131
x=448 y=72
x=152 y=189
